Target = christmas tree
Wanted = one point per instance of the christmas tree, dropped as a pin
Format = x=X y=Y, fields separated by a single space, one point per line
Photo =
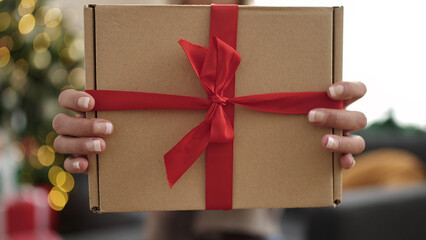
x=41 y=52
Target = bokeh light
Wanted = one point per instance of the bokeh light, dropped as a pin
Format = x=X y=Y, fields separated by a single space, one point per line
x=26 y=7
x=28 y=3
x=46 y=155
x=42 y=60
x=9 y=98
x=4 y=21
x=17 y=151
x=65 y=181
x=19 y=75
x=76 y=78
x=26 y=24
x=41 y=42
x=41 y=52
x=57 y=199
x=53 y=18
x=58 y=76
x=53 y=173
x=40 y=13
x=6 y=41
x=4 y=56
x=54 y=33
x=50 y=138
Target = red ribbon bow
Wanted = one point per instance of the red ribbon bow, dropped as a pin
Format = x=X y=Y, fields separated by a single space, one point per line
x=215 y=67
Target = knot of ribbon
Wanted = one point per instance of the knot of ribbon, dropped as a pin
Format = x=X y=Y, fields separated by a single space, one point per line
x=218 y=99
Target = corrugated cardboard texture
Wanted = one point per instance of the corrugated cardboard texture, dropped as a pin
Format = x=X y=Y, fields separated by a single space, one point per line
x=278 y=159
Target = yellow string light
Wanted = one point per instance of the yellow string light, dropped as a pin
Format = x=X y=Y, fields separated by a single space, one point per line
x=26 y=24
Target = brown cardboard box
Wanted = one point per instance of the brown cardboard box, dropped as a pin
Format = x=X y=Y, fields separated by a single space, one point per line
x=278 y=159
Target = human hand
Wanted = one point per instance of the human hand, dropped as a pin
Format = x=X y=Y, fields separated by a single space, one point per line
x=343 y=119
x=78 y=135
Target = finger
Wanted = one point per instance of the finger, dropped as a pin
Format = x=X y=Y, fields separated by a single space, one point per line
x=76 y=164
x=83 y=146
x=347 y=91
x=76 y=100
x=347 y=161
x=340 y=119
x=343 y=144
x=81 y=114
x=81 y=127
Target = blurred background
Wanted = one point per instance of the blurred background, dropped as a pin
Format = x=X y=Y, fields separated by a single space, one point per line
x=42 y=52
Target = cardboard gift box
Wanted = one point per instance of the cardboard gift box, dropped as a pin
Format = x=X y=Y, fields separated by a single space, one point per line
x=278 y=161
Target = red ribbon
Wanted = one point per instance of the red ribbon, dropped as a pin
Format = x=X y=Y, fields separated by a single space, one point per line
x=215 y=67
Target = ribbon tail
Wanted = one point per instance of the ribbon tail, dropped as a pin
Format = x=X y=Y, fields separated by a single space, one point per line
x=221 y=128
x=288 y=102
x=181 y=157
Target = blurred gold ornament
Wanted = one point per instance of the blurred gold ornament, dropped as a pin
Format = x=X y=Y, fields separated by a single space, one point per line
x=26 y=24
x=53 y=17
x=4 y=21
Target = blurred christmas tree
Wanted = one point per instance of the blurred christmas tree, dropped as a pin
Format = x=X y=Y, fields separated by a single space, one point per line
x=41 y=52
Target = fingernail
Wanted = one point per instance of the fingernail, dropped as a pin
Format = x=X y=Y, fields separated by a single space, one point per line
x=336 y=91
x=353 y=163
x=102 y=128
x=316 y=116
x=83 y=102
x=76 y=165
x=94 y=145
x=332 y=143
